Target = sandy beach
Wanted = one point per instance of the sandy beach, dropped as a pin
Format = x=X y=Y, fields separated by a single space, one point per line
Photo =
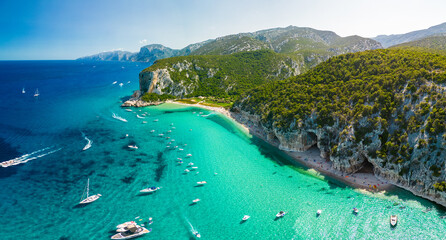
x=310 y=158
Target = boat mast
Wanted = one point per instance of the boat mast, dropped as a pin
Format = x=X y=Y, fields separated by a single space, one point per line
x=88 y=186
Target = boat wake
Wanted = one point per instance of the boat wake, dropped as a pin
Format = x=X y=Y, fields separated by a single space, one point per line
x=30 y=156
x=139 y=116
x=89 y=142
x=191 y=229
x=119 y=118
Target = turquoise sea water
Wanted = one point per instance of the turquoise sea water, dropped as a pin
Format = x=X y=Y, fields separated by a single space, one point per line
x=244 y=175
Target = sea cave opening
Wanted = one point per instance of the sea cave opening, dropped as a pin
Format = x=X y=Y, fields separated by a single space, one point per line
x=366 y=166
x=311 y=139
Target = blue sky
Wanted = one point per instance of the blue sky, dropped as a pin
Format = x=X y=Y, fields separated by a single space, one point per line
x=59 y=29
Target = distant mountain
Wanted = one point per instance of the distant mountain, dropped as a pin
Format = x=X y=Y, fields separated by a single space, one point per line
x=313 y=45
x=109 y=56
x=391 y=40
x=435 y=44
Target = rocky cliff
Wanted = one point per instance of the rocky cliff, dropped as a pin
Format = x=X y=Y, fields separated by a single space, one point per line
x=218 y=76
x=359 y=114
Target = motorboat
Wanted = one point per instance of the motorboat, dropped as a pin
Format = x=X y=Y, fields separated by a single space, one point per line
x=36 y=94
x=23 y=90
x=121 y=84
x=132 y=146
x=189 y=155
x=88 y=145
x=128 y=110
x=180 y=149
x=119 y=118
x=160 y=134
x=133 y=232
x=246 y=217
x=355 y=211
x=156 y=120
x=190 y=164
x=88 y=199
x=201 y=183
x=144 y=122
x=196 y=200
x=115 y=82
x=393 y=220
x=152 y=130
x=194 y=168
x=197 y=234
x=150 y=189
x=186 y=170
x=280 y=214
x=318 y=212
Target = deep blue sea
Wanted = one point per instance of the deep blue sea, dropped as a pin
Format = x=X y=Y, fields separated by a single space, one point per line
x=39 y=198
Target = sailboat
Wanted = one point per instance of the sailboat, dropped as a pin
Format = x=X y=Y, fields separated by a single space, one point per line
x=23 y=90
x=36 y=94
x=89 y=199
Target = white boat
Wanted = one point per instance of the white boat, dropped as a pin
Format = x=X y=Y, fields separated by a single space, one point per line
x=196 y=200
x=152 y=130
x=318 y=212
x=190 y=164
x=23 y=90
x=156 y=120
x=137 y=115
x=186 y=170
x=150 y=189
x=144 y=122
x=121 y=84
x=355 y=211
x=89 y=199
x=280 y=214
x=128 y=110
x=160 y=134
x=119 y=118
x=115 y=82
x=132 y=146
x=201 y=183
x=133 y=232
x=393 y=220
x=180 y=149
x=194 y=168
x=189 y=155
x=197 y=234
x=36 y=94
x=246 y=217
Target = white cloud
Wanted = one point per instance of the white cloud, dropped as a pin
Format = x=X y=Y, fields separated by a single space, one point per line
x=144 y=41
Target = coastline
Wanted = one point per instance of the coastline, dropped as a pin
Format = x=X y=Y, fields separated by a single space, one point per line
x=309 y=158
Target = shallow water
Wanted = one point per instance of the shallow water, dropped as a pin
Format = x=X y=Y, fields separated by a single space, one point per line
x=244 y=175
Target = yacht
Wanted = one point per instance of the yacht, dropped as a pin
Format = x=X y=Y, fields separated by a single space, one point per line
x=393 y=220
x=150 y=189
x=318 y=212
x=115 y=82
x=201 y=183
x=196 y=200
x=132 y=146
x=280 y=214
x=132 y=232
x=23 y=90
x=246 y=217
x=189 y=155
x=36 y=94
x=121 y=84
x=128 y=110
x=186 y=170
x=190 y=164
x=89 y=199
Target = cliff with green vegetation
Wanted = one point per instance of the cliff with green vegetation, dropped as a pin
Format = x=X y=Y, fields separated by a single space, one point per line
x=383 y=107
x=435 y=44
x=223 y=76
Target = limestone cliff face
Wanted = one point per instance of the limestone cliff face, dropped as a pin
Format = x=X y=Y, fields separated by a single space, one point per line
x=160 y=82
x=337 y=143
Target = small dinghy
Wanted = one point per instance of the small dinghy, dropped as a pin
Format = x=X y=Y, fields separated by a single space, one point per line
x=393 y=220
x=246 y=217
x=280 y=214
x=197 y=234
x=150 y=189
